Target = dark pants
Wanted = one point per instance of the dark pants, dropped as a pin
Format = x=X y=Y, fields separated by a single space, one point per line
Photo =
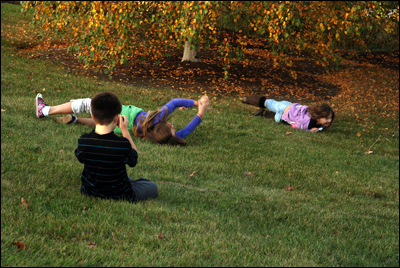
x=143 y=189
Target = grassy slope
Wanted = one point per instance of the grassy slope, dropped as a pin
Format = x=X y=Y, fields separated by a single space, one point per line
x=343 y=210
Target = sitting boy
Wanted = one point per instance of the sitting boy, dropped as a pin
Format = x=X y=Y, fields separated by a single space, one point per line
x=105 y=155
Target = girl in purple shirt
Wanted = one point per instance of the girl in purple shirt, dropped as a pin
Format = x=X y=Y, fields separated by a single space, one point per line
x=313 y=119
x=152 y=125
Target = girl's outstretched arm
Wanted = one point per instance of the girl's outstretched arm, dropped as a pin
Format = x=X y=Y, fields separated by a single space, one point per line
x=176 y=103
x=203 y=104
x=189 y=127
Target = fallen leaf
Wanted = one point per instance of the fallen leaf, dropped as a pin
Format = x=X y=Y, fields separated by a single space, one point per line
x=289 y=188
x=369 y=152
x=192 y=174
x=61 y=150
x=182 y=108
x=358 y=134
x=160 y=235
x=153 y=99
x=19 y=244
x=248 y=173
x=2 y=110
x=92 y=244
x=288 y=133
x=24 y=203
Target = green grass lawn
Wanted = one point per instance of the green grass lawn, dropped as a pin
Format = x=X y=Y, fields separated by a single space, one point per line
x=343 y=209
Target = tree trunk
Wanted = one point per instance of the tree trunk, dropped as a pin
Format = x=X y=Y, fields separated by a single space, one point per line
x=189 y=54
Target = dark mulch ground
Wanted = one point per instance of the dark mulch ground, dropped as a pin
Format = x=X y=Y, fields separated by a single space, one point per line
x=259 y=77
x=207 y=76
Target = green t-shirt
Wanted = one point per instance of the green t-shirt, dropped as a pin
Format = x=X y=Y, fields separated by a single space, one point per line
x=130 y=112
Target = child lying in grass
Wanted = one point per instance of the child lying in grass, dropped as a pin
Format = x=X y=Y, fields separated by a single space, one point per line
x=313 y=119
x=152 y=125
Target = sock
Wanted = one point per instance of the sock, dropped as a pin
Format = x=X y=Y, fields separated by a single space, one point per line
x=73 y=119
x=46 y=110
x=261 y=102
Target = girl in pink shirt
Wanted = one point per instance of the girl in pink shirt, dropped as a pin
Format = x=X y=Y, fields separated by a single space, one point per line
x=313 y=119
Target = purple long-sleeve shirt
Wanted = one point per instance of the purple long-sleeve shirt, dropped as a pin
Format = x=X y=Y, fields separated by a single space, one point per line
x=171 y=106
x=297 y=116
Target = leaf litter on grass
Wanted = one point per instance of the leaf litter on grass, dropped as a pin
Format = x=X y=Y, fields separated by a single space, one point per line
x=20 y=245
x=24 y=204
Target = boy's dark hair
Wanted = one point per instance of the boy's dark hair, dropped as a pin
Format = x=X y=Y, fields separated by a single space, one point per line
x=105 y=106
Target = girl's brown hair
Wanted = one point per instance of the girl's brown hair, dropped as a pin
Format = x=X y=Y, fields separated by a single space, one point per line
x=160 y=133
x=321 y=111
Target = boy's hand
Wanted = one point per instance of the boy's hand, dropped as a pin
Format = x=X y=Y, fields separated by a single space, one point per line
x=123 y=125
x=123 y=122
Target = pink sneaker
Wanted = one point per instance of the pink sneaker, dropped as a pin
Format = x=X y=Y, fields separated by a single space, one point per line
x=39 y=105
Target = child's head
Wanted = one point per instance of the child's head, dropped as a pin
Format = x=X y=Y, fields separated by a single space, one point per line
x=105 y=106
x=323 y=113
x=162 y=133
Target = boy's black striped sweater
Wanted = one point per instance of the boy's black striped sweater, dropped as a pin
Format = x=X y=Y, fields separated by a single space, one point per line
x=104 y=158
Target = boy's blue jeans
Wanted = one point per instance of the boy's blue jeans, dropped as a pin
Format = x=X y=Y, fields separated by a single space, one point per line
x=276 y=106
x=143 y=189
